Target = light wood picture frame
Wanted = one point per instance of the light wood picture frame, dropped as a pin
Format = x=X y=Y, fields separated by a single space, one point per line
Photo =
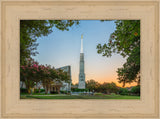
x=12 y=11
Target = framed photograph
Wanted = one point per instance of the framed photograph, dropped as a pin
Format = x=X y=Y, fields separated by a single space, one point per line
x=79 y=59
x=82 y=68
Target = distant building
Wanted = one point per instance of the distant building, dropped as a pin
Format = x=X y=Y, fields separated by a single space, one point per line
x=55 y=87
x=66 y=86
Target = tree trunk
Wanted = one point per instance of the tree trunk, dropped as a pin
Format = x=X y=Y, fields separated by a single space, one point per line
x=39 y=90
x=46 y=90
x=29 y=90
x=123 y=83
x=35 y=89
x=27 y=83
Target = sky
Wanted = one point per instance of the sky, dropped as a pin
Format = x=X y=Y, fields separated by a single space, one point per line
x=62 y=48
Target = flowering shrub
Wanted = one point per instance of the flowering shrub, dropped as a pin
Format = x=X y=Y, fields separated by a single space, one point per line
x=33 y=73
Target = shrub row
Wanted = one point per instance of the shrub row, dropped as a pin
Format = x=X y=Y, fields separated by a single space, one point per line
x=79 y=90
x=24 y=90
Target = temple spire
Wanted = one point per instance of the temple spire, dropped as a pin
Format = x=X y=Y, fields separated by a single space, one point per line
x=82 y=43
x=81 y=84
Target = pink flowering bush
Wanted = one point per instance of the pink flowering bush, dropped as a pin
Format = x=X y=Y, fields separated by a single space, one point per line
x=29 y=74
x=33 y=73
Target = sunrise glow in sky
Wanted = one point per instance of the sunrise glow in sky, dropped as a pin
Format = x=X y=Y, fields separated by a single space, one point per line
x=62 y=48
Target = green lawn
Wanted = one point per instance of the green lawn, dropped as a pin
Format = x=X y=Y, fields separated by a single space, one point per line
x=39 y=94
x=78 y=97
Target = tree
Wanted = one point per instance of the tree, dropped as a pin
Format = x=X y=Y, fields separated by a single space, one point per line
x=92 y=85
x=108 y=88
x=123 y=91
x=31 y=30
x=114 y=88
x=125 y=40
x=29 y=74
x=136 y=90
x=46 y=77
x=63 y=75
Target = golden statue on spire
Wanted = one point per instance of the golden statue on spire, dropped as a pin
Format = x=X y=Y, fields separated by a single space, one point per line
x=82 y=36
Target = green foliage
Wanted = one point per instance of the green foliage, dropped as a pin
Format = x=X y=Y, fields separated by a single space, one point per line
x=31 y=30
x=92 y=85
x=53 y=92
x=123 y=91
x=63 y=92
x=108 y=88
x=63 y=76
x=135 y=90
x=103 y=88
x=113 y=94
x=23 y=90
x=98 y=94
x=125 y=40
x=79 y=90
x=37 y=90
